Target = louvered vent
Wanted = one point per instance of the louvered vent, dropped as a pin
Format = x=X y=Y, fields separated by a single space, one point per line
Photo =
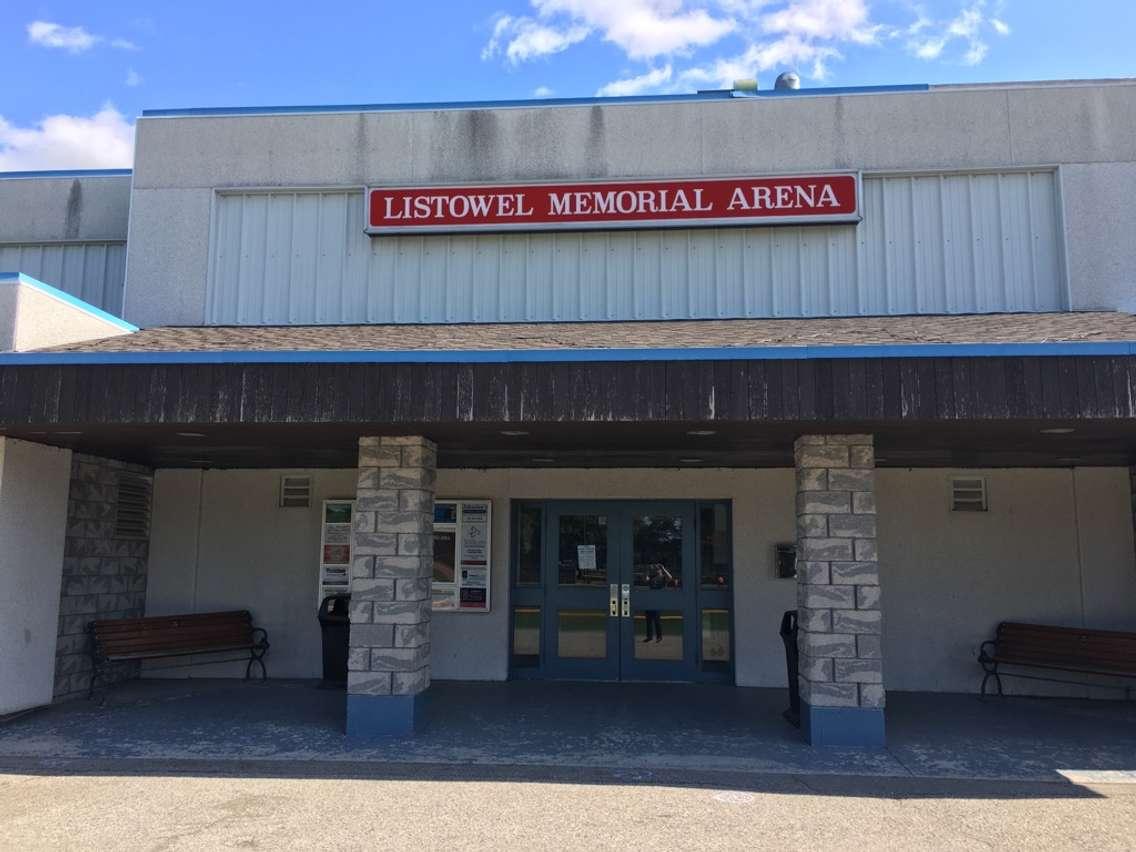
x=968 y=494
x=295 y=492
x=132 y=512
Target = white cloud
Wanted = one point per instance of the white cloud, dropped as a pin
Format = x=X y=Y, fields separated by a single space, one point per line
x=543 y=92
x=642 y=29
x=71 y=39
x=833 y=20
x=739 y=38
x=969 y=27
x=51 y=34
x=133 y=78
x=530 y=40
x=100 y=141
x=649 y=81
x=788 y=52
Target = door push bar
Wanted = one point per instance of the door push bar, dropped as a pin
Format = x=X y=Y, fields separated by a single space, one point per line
x=616 y=594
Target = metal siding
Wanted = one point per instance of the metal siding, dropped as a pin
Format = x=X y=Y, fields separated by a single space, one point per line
x=91 y=271
x=950 y=243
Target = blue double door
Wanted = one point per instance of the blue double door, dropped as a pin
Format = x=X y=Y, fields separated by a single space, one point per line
x=620 y=591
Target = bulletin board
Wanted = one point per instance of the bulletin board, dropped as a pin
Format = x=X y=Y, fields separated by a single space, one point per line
x=462 y=553
x=335 y=548
x=462 y=557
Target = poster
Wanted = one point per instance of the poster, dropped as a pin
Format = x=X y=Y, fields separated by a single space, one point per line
x=586 y=557
x=335 y=548
x=462 y=553
x=473 y=580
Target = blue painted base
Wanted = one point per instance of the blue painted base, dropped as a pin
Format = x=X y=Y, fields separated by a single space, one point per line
x=370 y=716
x=855 y=727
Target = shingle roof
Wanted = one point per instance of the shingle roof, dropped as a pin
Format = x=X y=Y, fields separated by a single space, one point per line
x=1097 y=326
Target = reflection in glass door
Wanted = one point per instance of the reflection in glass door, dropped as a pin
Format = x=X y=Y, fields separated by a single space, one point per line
x=621 y=590
x=581 y=635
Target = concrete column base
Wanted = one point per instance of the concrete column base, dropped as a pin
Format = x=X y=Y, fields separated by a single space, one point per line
x=370 y=716
x=851 y=727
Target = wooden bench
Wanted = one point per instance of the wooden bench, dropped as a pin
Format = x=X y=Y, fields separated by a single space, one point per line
x=119 y=640
x=1068 y=649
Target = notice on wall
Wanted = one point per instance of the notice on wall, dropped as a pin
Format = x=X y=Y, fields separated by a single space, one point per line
x=335 y=548
x=462 y=553
x=469 y=525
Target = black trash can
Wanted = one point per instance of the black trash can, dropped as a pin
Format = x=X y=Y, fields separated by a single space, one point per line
x=334 y=625
x=789 y=637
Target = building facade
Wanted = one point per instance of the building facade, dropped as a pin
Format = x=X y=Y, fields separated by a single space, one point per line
x=583 y=389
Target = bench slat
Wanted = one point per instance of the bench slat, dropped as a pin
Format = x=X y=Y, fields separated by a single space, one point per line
x=173 y=635
x=1105 y=652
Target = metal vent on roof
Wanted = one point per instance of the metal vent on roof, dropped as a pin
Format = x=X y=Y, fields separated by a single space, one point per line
x=295 y=492
x=132 y=509
x=968 y=494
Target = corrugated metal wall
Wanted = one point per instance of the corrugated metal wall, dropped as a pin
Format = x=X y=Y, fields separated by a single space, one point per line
x=91 y=271
x=928 y=244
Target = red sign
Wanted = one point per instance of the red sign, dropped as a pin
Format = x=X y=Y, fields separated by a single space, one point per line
x=616 y=204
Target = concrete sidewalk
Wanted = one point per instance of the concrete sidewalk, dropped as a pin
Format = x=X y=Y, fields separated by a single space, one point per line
x=637 y=730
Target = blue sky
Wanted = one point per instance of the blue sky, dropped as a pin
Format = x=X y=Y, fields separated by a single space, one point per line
x=77 y=73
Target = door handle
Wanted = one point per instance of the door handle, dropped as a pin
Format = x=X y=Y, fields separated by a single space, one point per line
x=626 y=600
x=613 y=602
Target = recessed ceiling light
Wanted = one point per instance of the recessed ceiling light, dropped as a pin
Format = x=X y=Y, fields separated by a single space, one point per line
x=513 y=433
x=702 y=433
x=544 y=460
x=190 y=434
x=690 y=461
x=1058 y=430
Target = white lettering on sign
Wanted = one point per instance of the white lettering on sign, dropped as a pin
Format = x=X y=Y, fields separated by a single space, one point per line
x=627 y=202
x=614 y=204
x=456 y=206
x=801 y=197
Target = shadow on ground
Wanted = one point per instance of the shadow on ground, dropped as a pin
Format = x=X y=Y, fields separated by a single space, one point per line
x=678 y=735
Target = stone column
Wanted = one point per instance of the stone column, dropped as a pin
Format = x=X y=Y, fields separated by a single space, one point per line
x=838 y=592
x=393 y=556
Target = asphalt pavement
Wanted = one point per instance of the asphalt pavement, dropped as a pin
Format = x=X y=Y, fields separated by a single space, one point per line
x=106 y=804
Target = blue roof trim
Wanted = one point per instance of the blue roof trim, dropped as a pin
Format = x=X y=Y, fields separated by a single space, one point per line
x=716 y=95
x=556 y=356
x=55 y=292
x=66 y=173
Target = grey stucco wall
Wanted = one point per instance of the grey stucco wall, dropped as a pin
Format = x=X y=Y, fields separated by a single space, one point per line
x=104 y=577
x=50 y=209
x=180 y=161
x=33 y=319
x=1056 y=546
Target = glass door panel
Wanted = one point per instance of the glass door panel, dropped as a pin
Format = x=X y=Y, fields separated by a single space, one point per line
x=657 y=641
x=582 y=634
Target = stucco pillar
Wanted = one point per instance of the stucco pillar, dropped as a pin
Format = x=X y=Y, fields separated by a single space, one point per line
x=34 y=482
x=838 y=592
x=392 y=564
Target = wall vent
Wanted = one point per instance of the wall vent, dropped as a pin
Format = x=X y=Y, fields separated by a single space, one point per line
x=968 y=494
x=295 y=492
x=132 y=509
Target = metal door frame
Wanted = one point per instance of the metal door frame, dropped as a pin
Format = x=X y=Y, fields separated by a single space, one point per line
x=619 y=664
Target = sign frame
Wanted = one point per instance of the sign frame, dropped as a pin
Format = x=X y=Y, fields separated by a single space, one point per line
x=853 y=217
